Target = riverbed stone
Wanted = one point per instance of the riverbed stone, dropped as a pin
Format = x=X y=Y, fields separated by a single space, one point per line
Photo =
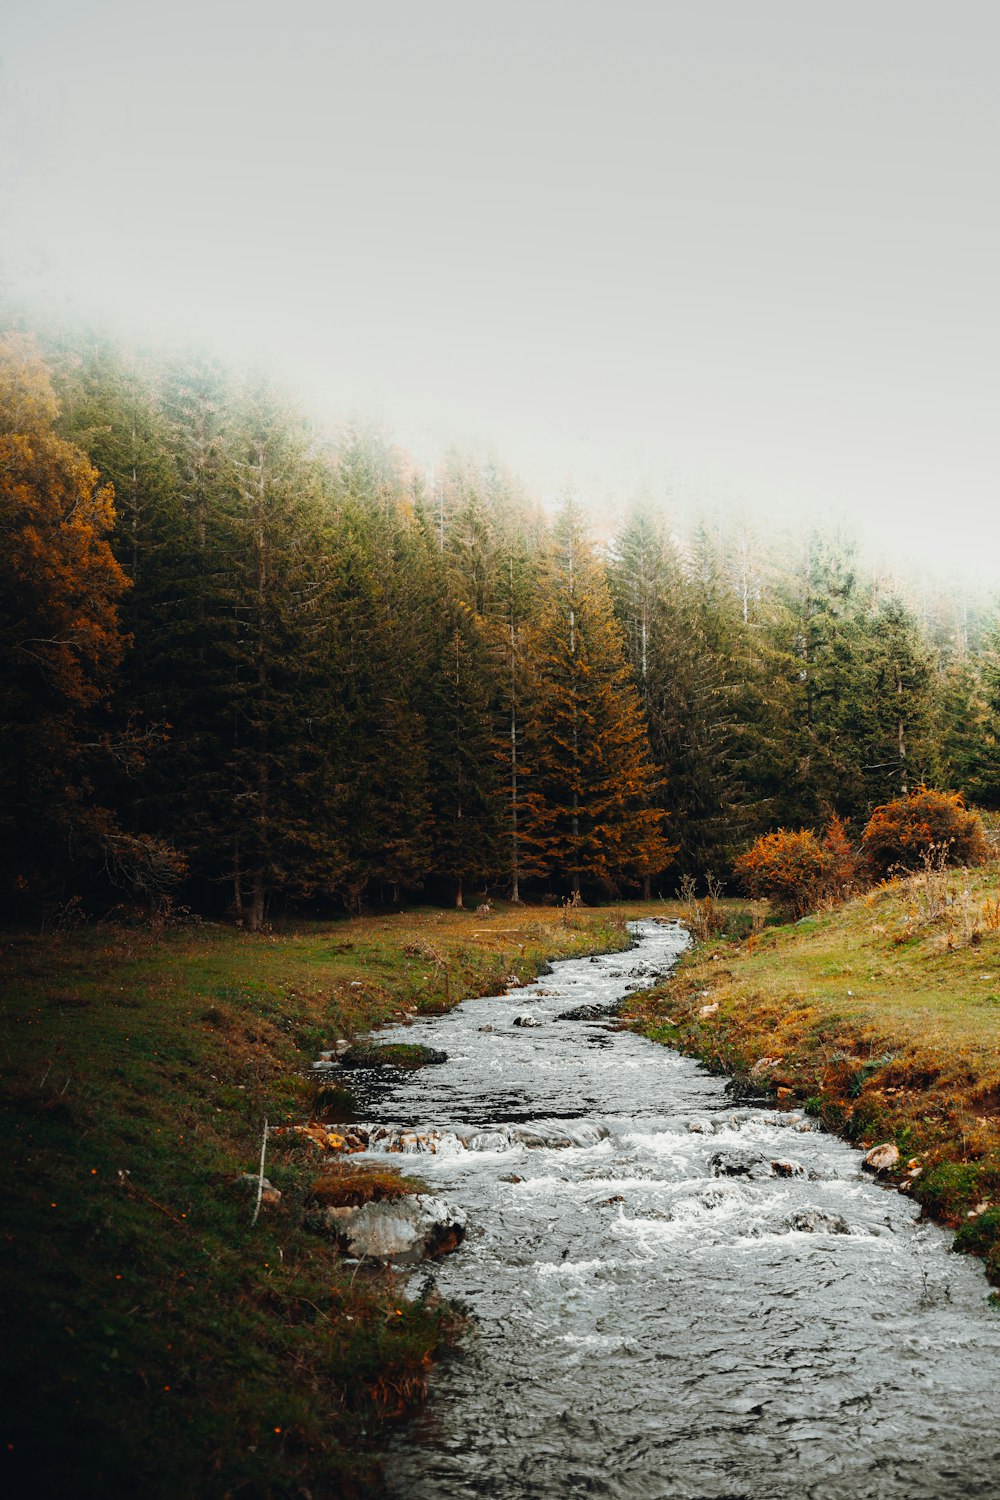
x=269 y=1195
x=737 y=1164
x=589 y=1013
x=527 y=1020
x=812 y=1221
x=403 y=1231
x=881 y=1158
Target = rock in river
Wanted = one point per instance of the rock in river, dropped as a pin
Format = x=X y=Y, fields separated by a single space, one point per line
x=881 y=1158
x=405 y=1230
x=811 y=1221
x=590 y=1013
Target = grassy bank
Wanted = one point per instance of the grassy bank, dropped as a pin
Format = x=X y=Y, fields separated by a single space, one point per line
x=154 y=1342
x=883 y=1018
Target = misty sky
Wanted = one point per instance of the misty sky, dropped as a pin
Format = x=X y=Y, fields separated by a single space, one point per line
x=745 y=250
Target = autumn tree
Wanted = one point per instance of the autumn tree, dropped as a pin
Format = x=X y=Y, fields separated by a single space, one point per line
x=593 y=786
x=62 y=643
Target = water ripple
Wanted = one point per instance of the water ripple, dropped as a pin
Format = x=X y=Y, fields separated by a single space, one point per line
x=660 y=1312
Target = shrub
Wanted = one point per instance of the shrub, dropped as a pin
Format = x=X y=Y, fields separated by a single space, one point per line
x=791 y=869
x=924 y=826
x=798 y=870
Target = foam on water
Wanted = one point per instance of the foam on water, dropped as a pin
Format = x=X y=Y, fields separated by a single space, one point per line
x=646 y=1326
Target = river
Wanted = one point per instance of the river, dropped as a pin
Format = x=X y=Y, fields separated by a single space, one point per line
x=673 y=1297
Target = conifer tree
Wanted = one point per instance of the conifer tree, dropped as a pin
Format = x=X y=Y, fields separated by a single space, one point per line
x=681 y=631
x=387 y=605
x=593 y=780
x=466 y=798
x=895 y=704
x=826 y=623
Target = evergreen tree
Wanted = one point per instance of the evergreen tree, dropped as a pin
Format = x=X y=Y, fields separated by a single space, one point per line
x=388 y=613
x=827 y=660
x=467 y=806
x=895 y=706
x=593 y=780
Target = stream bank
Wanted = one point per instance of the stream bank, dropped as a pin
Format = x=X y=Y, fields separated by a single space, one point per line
x=880 y=1024
x=671 y=1293
x=154 y=1340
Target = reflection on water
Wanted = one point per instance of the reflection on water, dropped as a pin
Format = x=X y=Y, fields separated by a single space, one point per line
x=672 y=1296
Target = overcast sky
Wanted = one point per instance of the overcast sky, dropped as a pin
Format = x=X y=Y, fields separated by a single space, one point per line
x=743 y=249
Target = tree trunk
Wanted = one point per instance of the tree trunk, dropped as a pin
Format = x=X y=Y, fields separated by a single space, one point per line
x=458 y=895
x=237 y=883
x=257 y=902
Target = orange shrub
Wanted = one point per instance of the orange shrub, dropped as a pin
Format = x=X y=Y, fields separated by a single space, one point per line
x=796 y=870
x=924 y=826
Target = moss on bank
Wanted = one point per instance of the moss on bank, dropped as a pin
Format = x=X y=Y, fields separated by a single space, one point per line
x=154 y=1341
x=882 y=1017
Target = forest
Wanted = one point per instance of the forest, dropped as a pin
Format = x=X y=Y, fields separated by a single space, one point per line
x=252 y=665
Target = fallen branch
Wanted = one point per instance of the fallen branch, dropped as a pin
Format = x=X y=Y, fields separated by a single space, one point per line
x=126 y=1182
x=260 y=1178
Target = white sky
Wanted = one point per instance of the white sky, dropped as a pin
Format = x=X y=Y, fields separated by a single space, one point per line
x=746 y=249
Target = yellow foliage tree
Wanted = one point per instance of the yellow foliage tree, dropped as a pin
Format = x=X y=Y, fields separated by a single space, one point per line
x=59 y=629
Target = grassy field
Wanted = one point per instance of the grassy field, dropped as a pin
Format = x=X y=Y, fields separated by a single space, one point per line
x=882 y=1016
x=153 y=1342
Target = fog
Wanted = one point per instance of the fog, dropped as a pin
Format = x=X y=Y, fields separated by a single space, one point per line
x=739 y=254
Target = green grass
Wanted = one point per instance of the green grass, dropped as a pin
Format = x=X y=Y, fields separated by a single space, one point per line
x=154 y=1342
x=405 y=1055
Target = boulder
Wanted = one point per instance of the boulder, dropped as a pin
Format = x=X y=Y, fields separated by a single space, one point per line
x=881 y=1158
x=811 y=1221
x=404 y=1231
x=527 y=1020
x=736 y=1164
x=747 y=1164
x=786 y=1168
x=589 y=1013
x=270 y=1195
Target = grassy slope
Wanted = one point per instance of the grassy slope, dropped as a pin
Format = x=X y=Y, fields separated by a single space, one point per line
x=883 y=1016
x=152 y=1341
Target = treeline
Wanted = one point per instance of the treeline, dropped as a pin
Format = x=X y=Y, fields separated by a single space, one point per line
x=287 y=669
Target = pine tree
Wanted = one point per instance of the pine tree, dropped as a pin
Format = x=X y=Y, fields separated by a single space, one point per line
x=465 y=790
x=896 y=707
x=684 y=640
x=388 y=632
x=593 y=780
x=826 y=608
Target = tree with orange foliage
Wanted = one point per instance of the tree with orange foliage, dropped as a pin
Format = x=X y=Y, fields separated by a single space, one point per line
x=590 y=810
x=60 y=640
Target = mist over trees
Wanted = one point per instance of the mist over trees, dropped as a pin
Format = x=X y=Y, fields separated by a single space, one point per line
x=246 y=666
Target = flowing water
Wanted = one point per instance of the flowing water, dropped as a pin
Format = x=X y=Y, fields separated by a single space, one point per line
x=672 y=1295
